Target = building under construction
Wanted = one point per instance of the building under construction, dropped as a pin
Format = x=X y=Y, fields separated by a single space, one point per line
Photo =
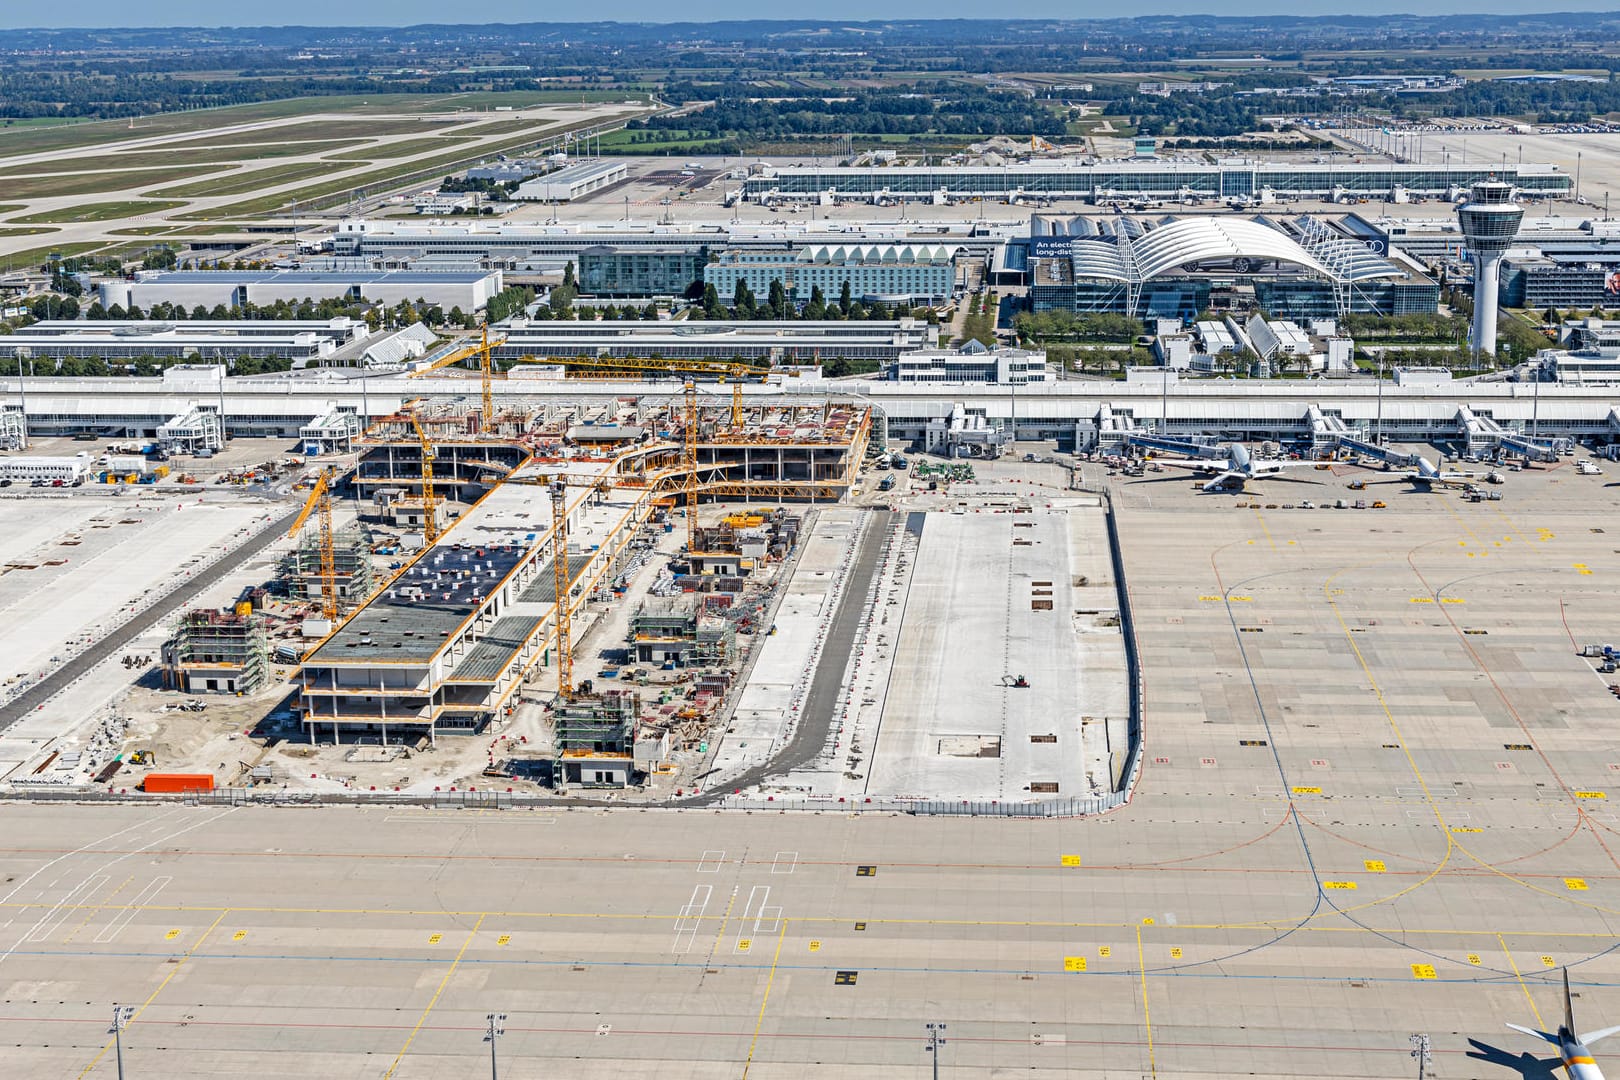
x=218 y=652
x=446 y=643
x=676 y=631
x=596 y=739
x=352 y=578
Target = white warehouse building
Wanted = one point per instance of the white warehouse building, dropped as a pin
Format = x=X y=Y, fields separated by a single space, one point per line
x=469 y=290
x=572 y=182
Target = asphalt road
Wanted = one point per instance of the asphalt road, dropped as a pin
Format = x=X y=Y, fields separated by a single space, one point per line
x=138 y=623
x=815 y=723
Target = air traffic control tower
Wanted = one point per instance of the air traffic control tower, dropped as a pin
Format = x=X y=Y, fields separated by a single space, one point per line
x=1490 y=220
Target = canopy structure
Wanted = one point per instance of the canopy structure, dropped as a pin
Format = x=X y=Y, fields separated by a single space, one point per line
x=1138 y=255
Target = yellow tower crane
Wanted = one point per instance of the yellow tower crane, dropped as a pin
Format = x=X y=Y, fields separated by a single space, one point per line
x=320 y=499
x=690 y=486
x=486 y=369
x=430 y=516
x=562 y=620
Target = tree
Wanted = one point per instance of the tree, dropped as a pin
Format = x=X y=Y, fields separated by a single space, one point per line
x=817 y=307
x=844 y=299
x=117 y=312
x=711 y=302
x=199 y=312
x=743 y=304
x=776 y=301
x=568 y=276
x=96 y=311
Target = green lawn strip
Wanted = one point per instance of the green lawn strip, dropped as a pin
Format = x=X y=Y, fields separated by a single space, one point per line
x=109 y=211
x=46 y=187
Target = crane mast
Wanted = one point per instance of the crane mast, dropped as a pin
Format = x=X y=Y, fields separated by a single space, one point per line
x=559 y=566
x=320 y=503
x=430 y=516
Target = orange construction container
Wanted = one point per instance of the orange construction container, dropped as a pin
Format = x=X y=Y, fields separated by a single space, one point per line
x=169 y=783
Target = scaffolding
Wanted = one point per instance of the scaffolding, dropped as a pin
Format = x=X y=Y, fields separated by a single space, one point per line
x=675 y=630
x=352 y=579
x=13 y=430
x=595 y=739
x=216 y=652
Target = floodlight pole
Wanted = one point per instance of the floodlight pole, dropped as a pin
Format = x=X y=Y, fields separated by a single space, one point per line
x=1420 y=1050
x=121 y=1017
x=936 y=1039
x=497 y=1028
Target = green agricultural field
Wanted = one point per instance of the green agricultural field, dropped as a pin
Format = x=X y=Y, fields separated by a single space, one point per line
x=45 y=187
x=108 y=211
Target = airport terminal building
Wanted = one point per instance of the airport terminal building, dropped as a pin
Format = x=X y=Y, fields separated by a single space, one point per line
x=1170 y=180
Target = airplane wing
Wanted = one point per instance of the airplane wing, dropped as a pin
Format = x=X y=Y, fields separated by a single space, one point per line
x=1538 y=1034
x=1220 y=482
x=1601 y=1033
x=1203 y=465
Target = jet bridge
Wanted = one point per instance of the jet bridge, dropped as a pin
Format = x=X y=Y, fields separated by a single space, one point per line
x=1397 y=459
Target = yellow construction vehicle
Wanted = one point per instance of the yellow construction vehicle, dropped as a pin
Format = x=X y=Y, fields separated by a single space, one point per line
x=320 y=499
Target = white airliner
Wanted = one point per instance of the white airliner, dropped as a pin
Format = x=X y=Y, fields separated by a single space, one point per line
x=1230 y=466
x=1572 y=1048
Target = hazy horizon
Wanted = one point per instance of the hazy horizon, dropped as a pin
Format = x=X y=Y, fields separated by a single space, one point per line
x=107 y=14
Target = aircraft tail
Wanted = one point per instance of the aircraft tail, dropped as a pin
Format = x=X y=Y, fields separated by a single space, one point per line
x=1569 y=1007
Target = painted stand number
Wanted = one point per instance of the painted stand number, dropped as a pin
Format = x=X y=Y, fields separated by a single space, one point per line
x=1074 y=963
x=1591 y=795
x=1105 y=952
x=1547 y=961
x=504 y=939
x=1069 y=860
x=744 y=944
x=435 y=939
x=1338 y=885
x=1175 y=952
x=1575 y=884
x=815 y=946
x=1423 y=971
x=1374 y=866
x=866 y=871
x=1473 y=958
x=846 y=978
x=1307 y=791
x=171 y=935
x=239 y=935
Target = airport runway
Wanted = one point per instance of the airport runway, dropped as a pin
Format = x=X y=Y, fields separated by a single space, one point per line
x=1377 y=802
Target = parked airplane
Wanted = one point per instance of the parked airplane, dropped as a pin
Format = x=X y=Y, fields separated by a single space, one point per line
x=1426 y=476
x=1230 y=466
x=1572 y=1048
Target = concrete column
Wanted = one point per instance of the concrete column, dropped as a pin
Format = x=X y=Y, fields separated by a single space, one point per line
x=1487 y=281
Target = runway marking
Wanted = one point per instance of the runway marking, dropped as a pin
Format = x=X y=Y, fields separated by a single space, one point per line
x=434 y=1001
x=711 y=861
x=792 y=858
x=1147 y=1014
x=174 y=969
x=64 y=907
x=78 y=851
x=690 y=918
x=131 y=909
x=770 y=980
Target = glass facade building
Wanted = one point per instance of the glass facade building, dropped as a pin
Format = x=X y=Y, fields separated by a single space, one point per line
x=1164 y=180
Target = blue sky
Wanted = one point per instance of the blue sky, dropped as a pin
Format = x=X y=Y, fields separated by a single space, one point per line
x=405 y=12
